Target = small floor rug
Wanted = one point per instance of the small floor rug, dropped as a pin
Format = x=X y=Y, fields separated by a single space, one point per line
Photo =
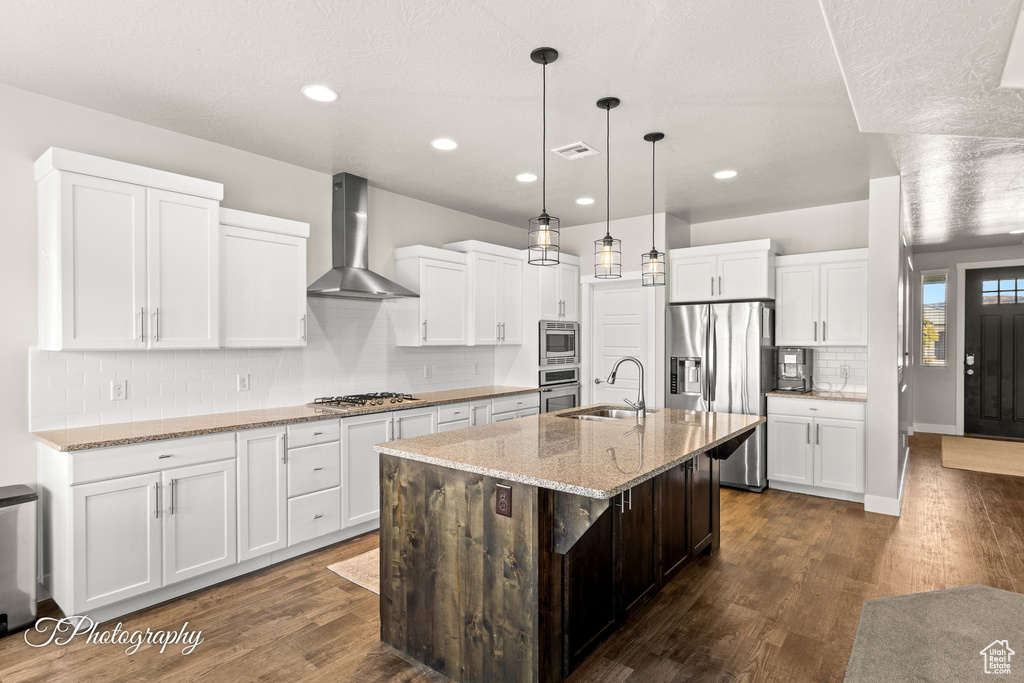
x=945 y=636
x=362 y=570
x=983 y=455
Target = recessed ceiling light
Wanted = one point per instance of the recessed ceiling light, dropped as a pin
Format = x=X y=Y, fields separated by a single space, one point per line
x=1017 y=232
x=320 y=93
x=725 y=175
x=585 y=201
x=444 y=143
x=526 y=177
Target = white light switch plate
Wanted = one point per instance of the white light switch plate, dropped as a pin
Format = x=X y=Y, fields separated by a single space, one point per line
x=426 y=372
x=118 y=389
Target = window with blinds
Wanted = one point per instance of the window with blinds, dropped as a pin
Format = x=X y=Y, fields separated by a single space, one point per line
x=933 y=318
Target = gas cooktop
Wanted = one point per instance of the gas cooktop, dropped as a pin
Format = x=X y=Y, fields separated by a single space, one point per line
x=377 y=398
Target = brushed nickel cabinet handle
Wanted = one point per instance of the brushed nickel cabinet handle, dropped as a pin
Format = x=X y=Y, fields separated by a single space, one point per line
x=808 y=432
x=719 y=285
x=165 y=455
x=156 y=497
x=317 y=516
x=824 y=336
x=302 y=328
x=142 y=324
x=815 y=330
x=424 y=330
x=817 y=434
x=317 y=469
x=317 y=433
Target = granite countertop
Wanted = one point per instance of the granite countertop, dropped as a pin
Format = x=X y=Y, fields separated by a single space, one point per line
x=124 y=433
x=850 y=396
x=582 y=457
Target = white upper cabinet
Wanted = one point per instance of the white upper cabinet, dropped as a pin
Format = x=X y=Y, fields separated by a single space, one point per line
x=263 y=288
x=495 y=292
x=128 y=256
x=558 y=288
x=822 y=299
x=568 y=290
x=723 y=272
x=440 y=316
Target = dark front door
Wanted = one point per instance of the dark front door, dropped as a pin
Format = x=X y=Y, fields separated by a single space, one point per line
x=994 y=352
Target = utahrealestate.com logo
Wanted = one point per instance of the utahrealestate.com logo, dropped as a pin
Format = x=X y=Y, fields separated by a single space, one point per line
x=997 y=657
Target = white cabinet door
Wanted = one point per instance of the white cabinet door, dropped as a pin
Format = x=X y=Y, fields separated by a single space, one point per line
x=199 y=519
x=409 y=424
x=796 y=306
x=102 y=257
x=116 y=540
x=262 y=501
x=568 y=290
x=480 y=412
x=743 y=276
x=790 y=450
x=844 y=304
x=443 y=303
x=263 y=301
x=183 y=270
x=693 y=279
x=360 y=467
x=486 y=297
x=550 y=298
x=839 y=454
x=510 y=300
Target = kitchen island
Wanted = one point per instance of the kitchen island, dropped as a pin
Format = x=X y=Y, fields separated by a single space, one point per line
x=509 y=551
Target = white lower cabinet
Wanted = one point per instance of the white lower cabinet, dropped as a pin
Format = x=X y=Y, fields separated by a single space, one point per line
x=314 y=514
x=199 y=533
x=262 y=492
x=408 y=424
x=360 y=468
x=480 y=412
x=816 y=447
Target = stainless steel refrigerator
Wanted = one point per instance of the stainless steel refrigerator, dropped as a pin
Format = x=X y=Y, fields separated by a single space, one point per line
x=721 y=359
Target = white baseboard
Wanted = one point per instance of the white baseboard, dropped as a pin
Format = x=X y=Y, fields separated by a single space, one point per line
x=935 y=429
x=818 y=491
x=888 y=506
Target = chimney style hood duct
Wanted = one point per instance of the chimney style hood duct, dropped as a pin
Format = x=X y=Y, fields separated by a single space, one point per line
x=350 y=276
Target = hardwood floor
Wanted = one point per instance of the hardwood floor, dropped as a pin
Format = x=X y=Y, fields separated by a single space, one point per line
x=779 y=602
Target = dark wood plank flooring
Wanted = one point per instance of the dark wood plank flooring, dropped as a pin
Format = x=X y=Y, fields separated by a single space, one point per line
x=779 y=602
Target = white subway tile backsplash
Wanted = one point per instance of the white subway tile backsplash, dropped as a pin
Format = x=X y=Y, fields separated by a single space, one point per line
x=828 y=363
x=351 y=348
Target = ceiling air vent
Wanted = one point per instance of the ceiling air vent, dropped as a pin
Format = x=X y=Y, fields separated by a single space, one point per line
x=577 y=150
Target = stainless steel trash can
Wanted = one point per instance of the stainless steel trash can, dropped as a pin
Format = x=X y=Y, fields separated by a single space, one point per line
x=17 y=557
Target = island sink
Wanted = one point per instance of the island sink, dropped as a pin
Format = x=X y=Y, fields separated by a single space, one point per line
x=603 y=413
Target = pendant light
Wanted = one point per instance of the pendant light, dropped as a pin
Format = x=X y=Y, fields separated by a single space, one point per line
x=653 y=268
x=608 y=250
x=544 y=228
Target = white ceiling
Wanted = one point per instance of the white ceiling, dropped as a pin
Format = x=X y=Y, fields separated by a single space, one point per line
x=753 y=86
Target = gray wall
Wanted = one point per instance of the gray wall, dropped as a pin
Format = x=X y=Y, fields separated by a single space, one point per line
x=935 y=387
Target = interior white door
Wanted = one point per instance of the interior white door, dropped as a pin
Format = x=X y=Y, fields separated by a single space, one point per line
x=485 y=297
x=262 y=497
x=409 y=424
x=790 y=449
x=550 y=299
x=620 y=324
x=443 y=302
x=693 y=279
x=742 y=276
x=510 y=300
x=183 y=268
x=839 y=454
x=103 y=262
x=568 y=290
x=360 y=466
x=796 y=305
x=263 y=302
x=199 y=520
x=116 y=540
x=844 y=314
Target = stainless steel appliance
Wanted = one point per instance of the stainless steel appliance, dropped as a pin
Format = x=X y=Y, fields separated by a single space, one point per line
x=560 y=389
x=342 y=404
x=17 y=557
x=795 y=370
x=721 y=359
x=559 y=343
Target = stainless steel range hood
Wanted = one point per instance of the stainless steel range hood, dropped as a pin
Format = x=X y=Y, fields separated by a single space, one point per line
x=351 y=278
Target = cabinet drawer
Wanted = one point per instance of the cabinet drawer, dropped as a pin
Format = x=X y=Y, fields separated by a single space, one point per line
x=506 y=404
x=153 y=456
x=314 y=468
x=314 y=514
x=807 y=407
x=452 y=413
x=449 y=426
x=309 y=433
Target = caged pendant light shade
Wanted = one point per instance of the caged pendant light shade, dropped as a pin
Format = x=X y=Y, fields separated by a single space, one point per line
x=543 y=245
x=608 y=250
x=653 y=262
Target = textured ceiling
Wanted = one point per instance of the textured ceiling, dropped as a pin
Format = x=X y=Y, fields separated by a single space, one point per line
x=926 y=74
x=753 y=86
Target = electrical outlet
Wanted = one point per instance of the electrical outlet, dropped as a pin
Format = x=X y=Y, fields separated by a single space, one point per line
x=503 y=502
x=426 y=372
x=118 y=389
x=844 y=371
x=243 y=382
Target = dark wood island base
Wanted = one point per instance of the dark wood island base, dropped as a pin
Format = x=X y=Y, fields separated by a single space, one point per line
x=483 y=597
